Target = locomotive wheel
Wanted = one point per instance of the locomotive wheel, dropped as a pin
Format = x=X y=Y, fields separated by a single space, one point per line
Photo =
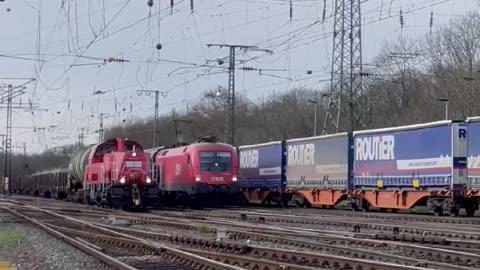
x=186 y=202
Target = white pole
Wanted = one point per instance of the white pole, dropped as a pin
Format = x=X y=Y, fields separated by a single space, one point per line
x=315 y=121
x=446 y=110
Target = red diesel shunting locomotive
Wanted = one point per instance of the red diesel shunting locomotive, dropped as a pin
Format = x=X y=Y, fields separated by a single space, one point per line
x=115 y=172
x=196 y=173
x=112 y=173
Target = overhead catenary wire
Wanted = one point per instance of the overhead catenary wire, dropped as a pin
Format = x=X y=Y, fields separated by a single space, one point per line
x=301 y=39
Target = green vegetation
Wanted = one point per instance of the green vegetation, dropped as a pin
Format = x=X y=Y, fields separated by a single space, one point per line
x=203 y=230
x=9 y=236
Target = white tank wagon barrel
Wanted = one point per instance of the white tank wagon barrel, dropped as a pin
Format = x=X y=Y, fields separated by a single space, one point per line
x=78 y=162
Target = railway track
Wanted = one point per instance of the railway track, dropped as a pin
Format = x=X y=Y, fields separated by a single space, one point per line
x=139 y=255
x=344 y=213
x=440 y=258
x=265 y=229
x=411 y=228
x=251 y=257
x=452 y=251
x=410 y=233
x=302 y=246
x=310 y=213
x=304 y=216
x=282 y=256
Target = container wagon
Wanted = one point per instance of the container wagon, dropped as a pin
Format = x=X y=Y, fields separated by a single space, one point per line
x=408 y=166
x=473 y=183
x=313 y=171
x=262 y=176
x=318 y=169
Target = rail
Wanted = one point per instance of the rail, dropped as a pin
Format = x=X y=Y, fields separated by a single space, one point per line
x=78 y=244
x=196 y=259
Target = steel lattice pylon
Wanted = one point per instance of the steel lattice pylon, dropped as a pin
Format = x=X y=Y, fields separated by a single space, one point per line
x=8 y=142
x=7 y=93
x=230 y=98
x=346 y=83
x=229 y=123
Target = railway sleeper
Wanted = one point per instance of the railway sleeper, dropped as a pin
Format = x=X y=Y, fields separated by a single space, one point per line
x=299 y=258
x=380 y=227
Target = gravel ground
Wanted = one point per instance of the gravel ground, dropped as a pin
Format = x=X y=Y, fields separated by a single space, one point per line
x=30 y=248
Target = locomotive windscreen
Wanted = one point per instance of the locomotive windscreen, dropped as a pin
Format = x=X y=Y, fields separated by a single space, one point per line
x=133 y=164
x=216 y=161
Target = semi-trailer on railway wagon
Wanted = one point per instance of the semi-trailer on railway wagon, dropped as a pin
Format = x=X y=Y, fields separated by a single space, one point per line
x=391 y=168
x=115 y=172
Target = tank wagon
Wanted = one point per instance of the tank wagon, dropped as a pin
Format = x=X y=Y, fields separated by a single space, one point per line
x=114 y=173
x=197 y=173
x=53 y=182
x=391 y=168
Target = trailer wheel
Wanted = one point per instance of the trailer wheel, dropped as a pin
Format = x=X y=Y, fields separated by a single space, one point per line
x=470 y=211
x=453 y=211
x=365 y=206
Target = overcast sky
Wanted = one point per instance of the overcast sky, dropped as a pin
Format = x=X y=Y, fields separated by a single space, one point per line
x=75 y=35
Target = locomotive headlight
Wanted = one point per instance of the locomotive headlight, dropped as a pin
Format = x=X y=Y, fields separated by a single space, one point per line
x=149 y=180
x=234 y=178
x=122 y=180
x=198 y=178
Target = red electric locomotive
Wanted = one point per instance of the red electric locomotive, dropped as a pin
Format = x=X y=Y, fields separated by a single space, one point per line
x=198 y=173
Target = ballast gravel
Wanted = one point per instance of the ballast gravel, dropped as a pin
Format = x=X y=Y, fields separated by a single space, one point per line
x=28 y=248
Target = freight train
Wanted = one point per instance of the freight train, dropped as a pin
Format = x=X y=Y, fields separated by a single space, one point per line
x=391 y=168
x=112 y=173
x=204 y=172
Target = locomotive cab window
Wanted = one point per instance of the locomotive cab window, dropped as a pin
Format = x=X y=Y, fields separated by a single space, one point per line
x=133 y=164
x=215 y=161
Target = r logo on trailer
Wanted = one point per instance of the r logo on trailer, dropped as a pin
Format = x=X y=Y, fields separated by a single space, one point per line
x=462 y=133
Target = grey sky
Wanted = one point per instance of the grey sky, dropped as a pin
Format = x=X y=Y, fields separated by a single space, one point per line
x=131 y=34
